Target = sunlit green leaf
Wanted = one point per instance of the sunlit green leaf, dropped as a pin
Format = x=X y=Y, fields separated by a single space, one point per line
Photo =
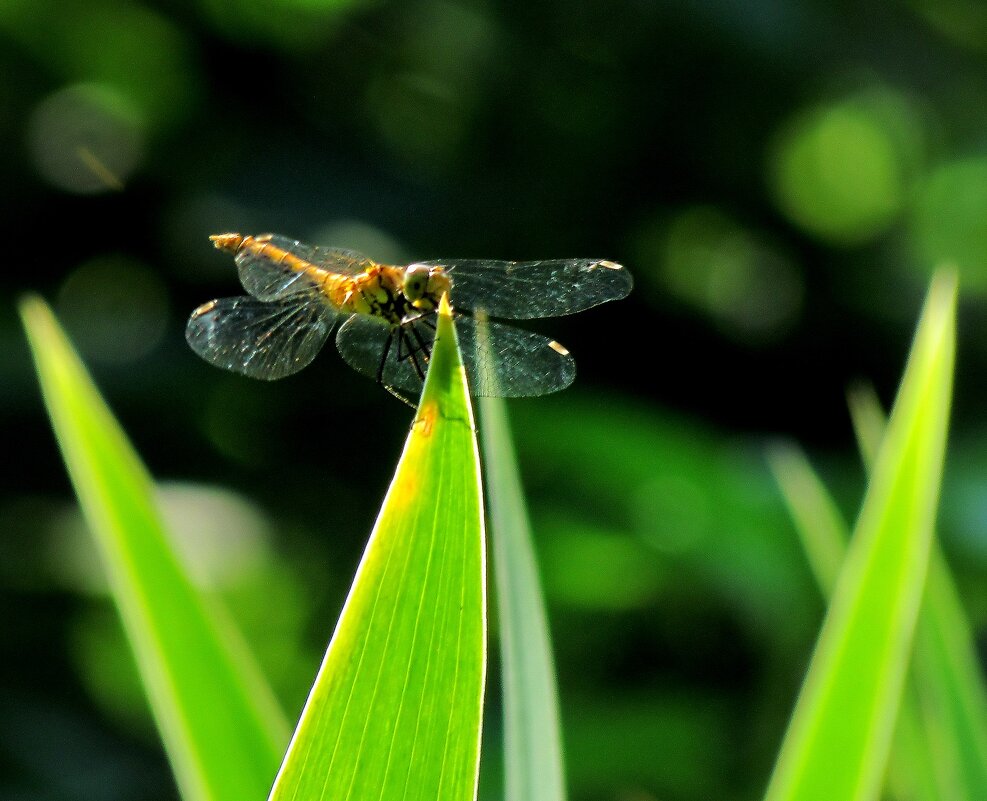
x=824 y=534
x=396 y=708
x=220 y=724
x=947 y=678
x=841 y=730
x=940 y=747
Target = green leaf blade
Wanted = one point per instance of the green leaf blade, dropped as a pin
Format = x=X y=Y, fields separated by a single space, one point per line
x=950 y=686
x=532 y=737
x=818 y=522
x=947 y=680
x=837 y=743
x=220 y=724
x=396 y=708
x=912 y=773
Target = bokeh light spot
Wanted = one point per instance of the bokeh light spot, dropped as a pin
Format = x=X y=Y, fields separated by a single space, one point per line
x=291 y=25
x=962 y=21
x=708 y=260
x=221 y=534
x=85 y=139
x=135 y=50
x=420 y=118
x=841 y=172
x=115 y=309
x=673 y=512
x=141 y=54
x=593 y=568
x=423 y=103
x=949 y=223
x=363 y=237
x=221 y=537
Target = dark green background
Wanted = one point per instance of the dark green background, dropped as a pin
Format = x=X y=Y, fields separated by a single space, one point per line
x=780 y=178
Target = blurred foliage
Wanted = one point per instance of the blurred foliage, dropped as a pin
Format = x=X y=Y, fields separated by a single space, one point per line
x=841 y=171
x=781 y=178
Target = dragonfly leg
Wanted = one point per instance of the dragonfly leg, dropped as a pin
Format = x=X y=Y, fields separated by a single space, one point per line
x=418 y=367
x=403 y=398
x=406 y=350
x=403 y=353
x=383 y=363
x=409 y=323
x=383 y=360
x=422 y=345
x=426 y=317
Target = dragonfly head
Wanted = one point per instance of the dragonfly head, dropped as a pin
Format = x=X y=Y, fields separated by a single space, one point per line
x=424 y=285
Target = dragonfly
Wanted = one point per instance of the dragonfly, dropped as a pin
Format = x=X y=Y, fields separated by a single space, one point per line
x=384 y=315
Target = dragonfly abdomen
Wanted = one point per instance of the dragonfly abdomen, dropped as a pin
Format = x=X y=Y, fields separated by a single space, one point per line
x=253 y=250
x=377 y=291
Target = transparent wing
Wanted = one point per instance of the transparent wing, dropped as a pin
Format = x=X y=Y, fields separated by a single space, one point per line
x=269 y=266
x=524 y=290
x=394 y=356
x=500 y=360
x=508 y=362
x=258 y=339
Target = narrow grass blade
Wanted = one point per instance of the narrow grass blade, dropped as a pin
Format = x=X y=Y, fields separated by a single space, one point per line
x=837 y=743
x=395 y=711
x=950 y=687
x=818 y=521
x=220 y=724
x=532 y=739
x=868 y=420
x=912 y=774
x=947 y=678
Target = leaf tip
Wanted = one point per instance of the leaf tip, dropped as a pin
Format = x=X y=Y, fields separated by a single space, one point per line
x=445 y=308
x=945 y=285
x=779 y=454
x=33 y=309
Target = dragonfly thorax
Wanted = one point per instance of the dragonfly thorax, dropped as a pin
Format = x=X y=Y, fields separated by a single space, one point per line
x=392 y=294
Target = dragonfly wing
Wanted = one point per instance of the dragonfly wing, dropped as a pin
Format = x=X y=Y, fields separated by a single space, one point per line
x=504 y=361
x=529 y=289
x=258 y=339
x=500 y=360
x=395 y=356
x=270 y=270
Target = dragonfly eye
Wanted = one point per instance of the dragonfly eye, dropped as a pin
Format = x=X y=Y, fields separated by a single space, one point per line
x=438 y=283
x=415 y=282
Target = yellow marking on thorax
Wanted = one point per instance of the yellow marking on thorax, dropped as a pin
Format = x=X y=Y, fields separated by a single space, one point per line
x=374 y=292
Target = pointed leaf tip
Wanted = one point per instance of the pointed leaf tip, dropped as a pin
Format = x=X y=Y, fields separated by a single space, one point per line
x=445 y=308
x=395 y=711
